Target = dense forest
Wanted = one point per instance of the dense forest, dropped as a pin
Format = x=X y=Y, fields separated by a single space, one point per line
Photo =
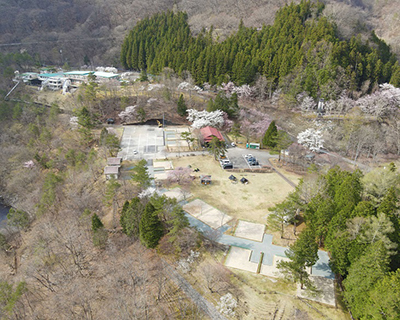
x=300 y=52
x=355 y=217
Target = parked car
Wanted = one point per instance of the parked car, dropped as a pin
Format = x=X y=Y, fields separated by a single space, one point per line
x=227 y=166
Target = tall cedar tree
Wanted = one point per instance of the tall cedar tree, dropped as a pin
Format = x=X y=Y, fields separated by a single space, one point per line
x=270 y=136
x=151 y=228
x=131 y=216
x=140 y=174
x=181 y=106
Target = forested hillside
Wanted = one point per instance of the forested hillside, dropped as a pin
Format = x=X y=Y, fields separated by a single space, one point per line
x=300 y=52
x=96 y=29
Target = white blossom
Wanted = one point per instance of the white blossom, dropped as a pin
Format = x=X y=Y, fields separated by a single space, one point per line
x=156 y=86
x=187 y=86
x=311 y=138
x=204 y=118
x=73 y=121
x=383 y=102
x=227 y=305
x=129 y=115
x=184 y=86
x=185 y=264
x=244 y=91
x=308 y=104
x=149 y=192
x=111 y=69
x=29 y=164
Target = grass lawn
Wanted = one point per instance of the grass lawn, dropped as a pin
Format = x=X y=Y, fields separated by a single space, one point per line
x=248 y=202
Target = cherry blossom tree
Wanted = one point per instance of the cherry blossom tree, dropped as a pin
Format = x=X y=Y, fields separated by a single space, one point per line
x=243 y=92
x=228 y=124
x=129 y=115
x=204 y=118
x=382 y=102
x=307 y=104
x=311 y=138
x=253 y=123
x=181 y=176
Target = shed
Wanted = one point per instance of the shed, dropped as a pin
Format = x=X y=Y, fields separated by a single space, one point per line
x=114 y=161
x=111 y=172
x=209 y=132
x=205 y=179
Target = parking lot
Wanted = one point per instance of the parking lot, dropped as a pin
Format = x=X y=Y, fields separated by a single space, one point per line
x=142 y=142
x=237 y=156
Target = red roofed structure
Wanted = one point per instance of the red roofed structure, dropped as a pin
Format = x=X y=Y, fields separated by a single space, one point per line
x=209 y=132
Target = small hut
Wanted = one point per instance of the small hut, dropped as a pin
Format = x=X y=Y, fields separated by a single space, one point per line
x=206 y=179
x=111 y=172
x=114 y=161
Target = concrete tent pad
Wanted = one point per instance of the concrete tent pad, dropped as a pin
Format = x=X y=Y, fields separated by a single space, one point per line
x=272 y=270
x=161 y=175
x=250 y=230
x=206 y=213
x=177 y=194
x=167 y=165
x=239 y=258
x=325 y=288
x=215 y=218
x=197 y=207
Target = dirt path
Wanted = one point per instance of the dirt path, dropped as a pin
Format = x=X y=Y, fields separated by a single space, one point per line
x=201 y=302
x=281 y=175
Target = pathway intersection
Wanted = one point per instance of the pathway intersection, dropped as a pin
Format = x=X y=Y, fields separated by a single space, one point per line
x=245 y=254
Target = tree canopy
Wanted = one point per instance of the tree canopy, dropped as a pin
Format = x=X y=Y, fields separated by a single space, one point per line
x=300 y=52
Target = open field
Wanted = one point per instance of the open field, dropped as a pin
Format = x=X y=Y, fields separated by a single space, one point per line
x=248 y=202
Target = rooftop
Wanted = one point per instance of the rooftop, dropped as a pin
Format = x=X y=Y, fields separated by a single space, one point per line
x=77 y=73
x=113 y=161
x=105 y=74
x=111 y=170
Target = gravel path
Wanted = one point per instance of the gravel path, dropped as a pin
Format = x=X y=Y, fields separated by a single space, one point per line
x=196 y=297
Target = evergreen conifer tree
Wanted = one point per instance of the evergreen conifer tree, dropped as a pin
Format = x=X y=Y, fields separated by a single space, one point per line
x=270 y=135
x=96 y=223
x=151 y=229
x=181 y=106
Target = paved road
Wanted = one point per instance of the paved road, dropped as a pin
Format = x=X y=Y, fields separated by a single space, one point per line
x=201 y=302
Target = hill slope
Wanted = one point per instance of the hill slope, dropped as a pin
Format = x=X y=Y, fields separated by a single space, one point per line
x=96 y=28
